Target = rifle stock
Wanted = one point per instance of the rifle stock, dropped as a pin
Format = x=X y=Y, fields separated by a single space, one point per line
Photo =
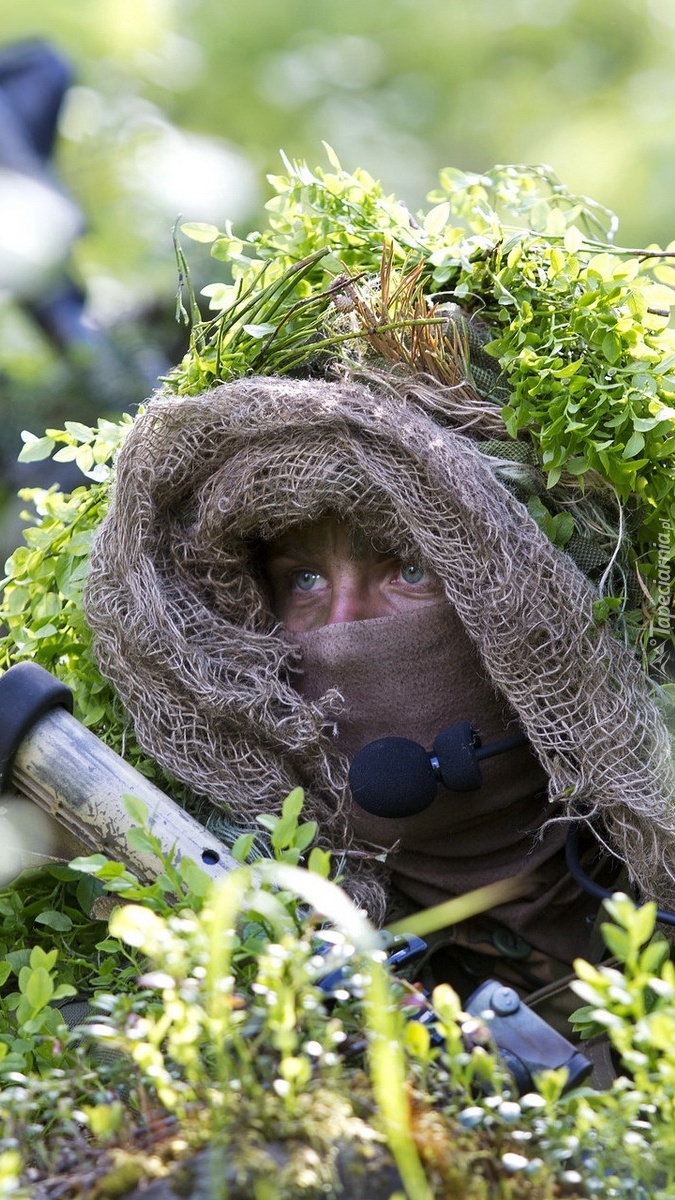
x=52 y=759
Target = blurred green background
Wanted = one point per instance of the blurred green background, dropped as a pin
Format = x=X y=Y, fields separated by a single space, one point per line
x=179 y=108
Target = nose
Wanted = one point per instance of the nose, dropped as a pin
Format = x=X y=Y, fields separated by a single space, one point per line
x=347 y=605
x=351 y=599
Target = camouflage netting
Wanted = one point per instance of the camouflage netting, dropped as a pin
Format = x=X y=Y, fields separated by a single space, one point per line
x=184 y=631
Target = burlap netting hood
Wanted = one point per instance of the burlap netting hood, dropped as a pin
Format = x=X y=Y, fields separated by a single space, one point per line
x=184 y=632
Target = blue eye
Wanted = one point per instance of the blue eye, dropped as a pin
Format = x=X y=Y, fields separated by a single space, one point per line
x=411 y=573
x=305 y=581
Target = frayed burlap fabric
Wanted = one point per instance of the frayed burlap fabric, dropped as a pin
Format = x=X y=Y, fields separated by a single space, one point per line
x=184 y=632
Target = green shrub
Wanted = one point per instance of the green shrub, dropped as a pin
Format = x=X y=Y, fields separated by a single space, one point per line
x=208 y=995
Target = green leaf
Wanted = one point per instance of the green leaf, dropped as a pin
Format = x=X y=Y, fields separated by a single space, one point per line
x=200 y=231
x=115 y=872
x=90 y=864
x=259 y=331
x=584 y=1019
x=243 y=846
x=86 y=891
x=634 y=445
x=220 y=295
x=67 y=453
x=304 y=835
x=637 y=304
x=553 y=476
x=618 y=942
x=37 y=987
x=642 y=923
x=49 y=605
x=85 y=458
x=604 y=608
x=569 y=369
x=142 y=840
x=64 y=990
x=292 y=805
x=559 y=527
x=199 y=883
x=282 y=835
x=319 y=862
x=81 y=433
x=16 y=600
x=611 y=346
x=436 y=219
x=268 y=821
x=45 y=631
x=35 y=449
x=289 y=855
x=54 y=920
x=573 y=239
x=18 y=959
x=563 y=528
x=620 y=908
x=653 y=956
x=228 y=249
x=332 y=156
x=108 y=946
x=135 y=808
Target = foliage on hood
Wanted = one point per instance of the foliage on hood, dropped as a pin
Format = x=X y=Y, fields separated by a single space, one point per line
x=508 y=279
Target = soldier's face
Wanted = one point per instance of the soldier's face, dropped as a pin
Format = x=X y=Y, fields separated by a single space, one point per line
x=321 y=574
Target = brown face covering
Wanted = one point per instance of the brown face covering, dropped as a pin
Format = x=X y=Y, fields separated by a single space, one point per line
x=412 y=675
x=408 y=675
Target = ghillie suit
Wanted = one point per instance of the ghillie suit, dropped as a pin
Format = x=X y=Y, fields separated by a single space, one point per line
x=184 y=631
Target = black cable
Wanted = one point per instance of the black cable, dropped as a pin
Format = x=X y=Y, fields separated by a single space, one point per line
x=589 y=885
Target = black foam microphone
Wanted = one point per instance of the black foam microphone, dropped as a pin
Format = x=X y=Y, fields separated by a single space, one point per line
x=396 y=777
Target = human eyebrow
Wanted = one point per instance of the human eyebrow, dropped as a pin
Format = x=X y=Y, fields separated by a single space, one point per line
x=289 y=553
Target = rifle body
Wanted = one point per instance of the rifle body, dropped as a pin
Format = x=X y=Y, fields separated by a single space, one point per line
x=52 y=759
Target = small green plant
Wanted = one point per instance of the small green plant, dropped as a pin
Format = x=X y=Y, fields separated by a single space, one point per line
x=289 y=837
x=41 y=608
x=632 y=1004
x=233 y=1034
x=42 y=598
x=39 y=1024
x=211 y=998
x=50 y=950
x=635 y=1006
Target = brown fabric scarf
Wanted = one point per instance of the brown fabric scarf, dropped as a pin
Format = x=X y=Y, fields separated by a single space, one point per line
x=412 y=675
